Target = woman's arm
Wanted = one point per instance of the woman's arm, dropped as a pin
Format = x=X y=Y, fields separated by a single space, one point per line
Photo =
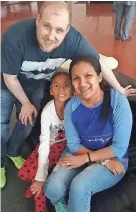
x=122 y=125
x=73 y=140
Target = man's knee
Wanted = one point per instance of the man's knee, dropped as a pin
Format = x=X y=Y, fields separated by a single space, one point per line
x=7 y=102
x=4 y=132
x=23 y=129
x=28 y=128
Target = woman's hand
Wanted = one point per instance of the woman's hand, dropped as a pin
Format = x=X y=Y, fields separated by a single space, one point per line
x=115 y=167
x=36 y=187
x=72 y=162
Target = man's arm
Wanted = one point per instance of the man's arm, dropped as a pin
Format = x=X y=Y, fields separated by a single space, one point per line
x=15 y=87
x=109 y=76
x=11 y=61
x=27 y=108
x=84 y=47
x=81 y=46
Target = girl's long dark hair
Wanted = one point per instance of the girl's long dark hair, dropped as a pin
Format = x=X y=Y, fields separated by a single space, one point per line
x=97 y=67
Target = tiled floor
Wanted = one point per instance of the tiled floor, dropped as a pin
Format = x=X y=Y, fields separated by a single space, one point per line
x=95 y=21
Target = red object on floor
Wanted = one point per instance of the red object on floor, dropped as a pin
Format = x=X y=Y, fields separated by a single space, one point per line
x=28 y=193
x=29 y=169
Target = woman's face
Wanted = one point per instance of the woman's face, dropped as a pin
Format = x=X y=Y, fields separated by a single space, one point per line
x=85 y=81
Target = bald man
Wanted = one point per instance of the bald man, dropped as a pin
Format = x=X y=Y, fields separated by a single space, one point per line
x=31 y=51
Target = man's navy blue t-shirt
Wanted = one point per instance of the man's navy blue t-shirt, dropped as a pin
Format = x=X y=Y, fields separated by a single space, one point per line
x=22 y=56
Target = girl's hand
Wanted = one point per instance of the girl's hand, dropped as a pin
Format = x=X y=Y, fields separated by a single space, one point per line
x=115 y=167
x=36 y=187
x=72 y=162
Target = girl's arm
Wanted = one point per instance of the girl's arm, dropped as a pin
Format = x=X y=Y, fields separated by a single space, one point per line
x=44 y=147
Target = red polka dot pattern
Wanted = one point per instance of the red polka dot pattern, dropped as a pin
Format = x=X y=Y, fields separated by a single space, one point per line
x=29 y=169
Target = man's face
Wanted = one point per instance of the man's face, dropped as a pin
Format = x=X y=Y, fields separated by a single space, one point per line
x=51 y=28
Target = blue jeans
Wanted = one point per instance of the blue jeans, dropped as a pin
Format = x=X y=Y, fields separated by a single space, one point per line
x=12 y=145
x=80 y=184
x=126 y=13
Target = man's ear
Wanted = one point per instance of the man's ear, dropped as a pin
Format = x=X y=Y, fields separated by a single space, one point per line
x=100 y=77
x=37 y=19
x=68 y=28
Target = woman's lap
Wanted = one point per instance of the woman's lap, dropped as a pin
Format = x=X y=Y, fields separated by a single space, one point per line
x=97 y=177
x=93 y=179
x=81 y=181
x=59 y=180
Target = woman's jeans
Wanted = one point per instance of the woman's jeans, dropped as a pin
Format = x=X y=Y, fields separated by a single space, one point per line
x=80 y=184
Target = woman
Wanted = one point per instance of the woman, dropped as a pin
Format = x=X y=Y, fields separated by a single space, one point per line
x=98 y=125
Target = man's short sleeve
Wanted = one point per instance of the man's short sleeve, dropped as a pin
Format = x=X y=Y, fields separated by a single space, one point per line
x=11 y=57
x=86 y=48
x=76 y=44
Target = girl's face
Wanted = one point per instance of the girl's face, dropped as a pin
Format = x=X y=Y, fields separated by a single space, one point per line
x=85 y=81
x=61 y=88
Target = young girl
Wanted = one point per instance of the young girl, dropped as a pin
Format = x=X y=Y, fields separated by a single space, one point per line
x=52 y=132
x=98 y=126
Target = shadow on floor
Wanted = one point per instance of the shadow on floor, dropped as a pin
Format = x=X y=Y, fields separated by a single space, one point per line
x=12 y=196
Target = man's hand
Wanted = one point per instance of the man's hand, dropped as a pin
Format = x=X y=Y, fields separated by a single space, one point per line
x=72 y=162
x=27 y=111
x=115 y=167
x=128 y=91
x=36 y=187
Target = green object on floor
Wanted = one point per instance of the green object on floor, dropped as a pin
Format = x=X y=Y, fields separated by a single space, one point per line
x=12 y=195
x=2 y=177
x=114 y=6
x=18 y=161
x=61 y=207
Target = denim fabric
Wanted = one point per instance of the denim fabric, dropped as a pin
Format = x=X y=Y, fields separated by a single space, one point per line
x=80 y=184
x=127 y=13
x=12 y=145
